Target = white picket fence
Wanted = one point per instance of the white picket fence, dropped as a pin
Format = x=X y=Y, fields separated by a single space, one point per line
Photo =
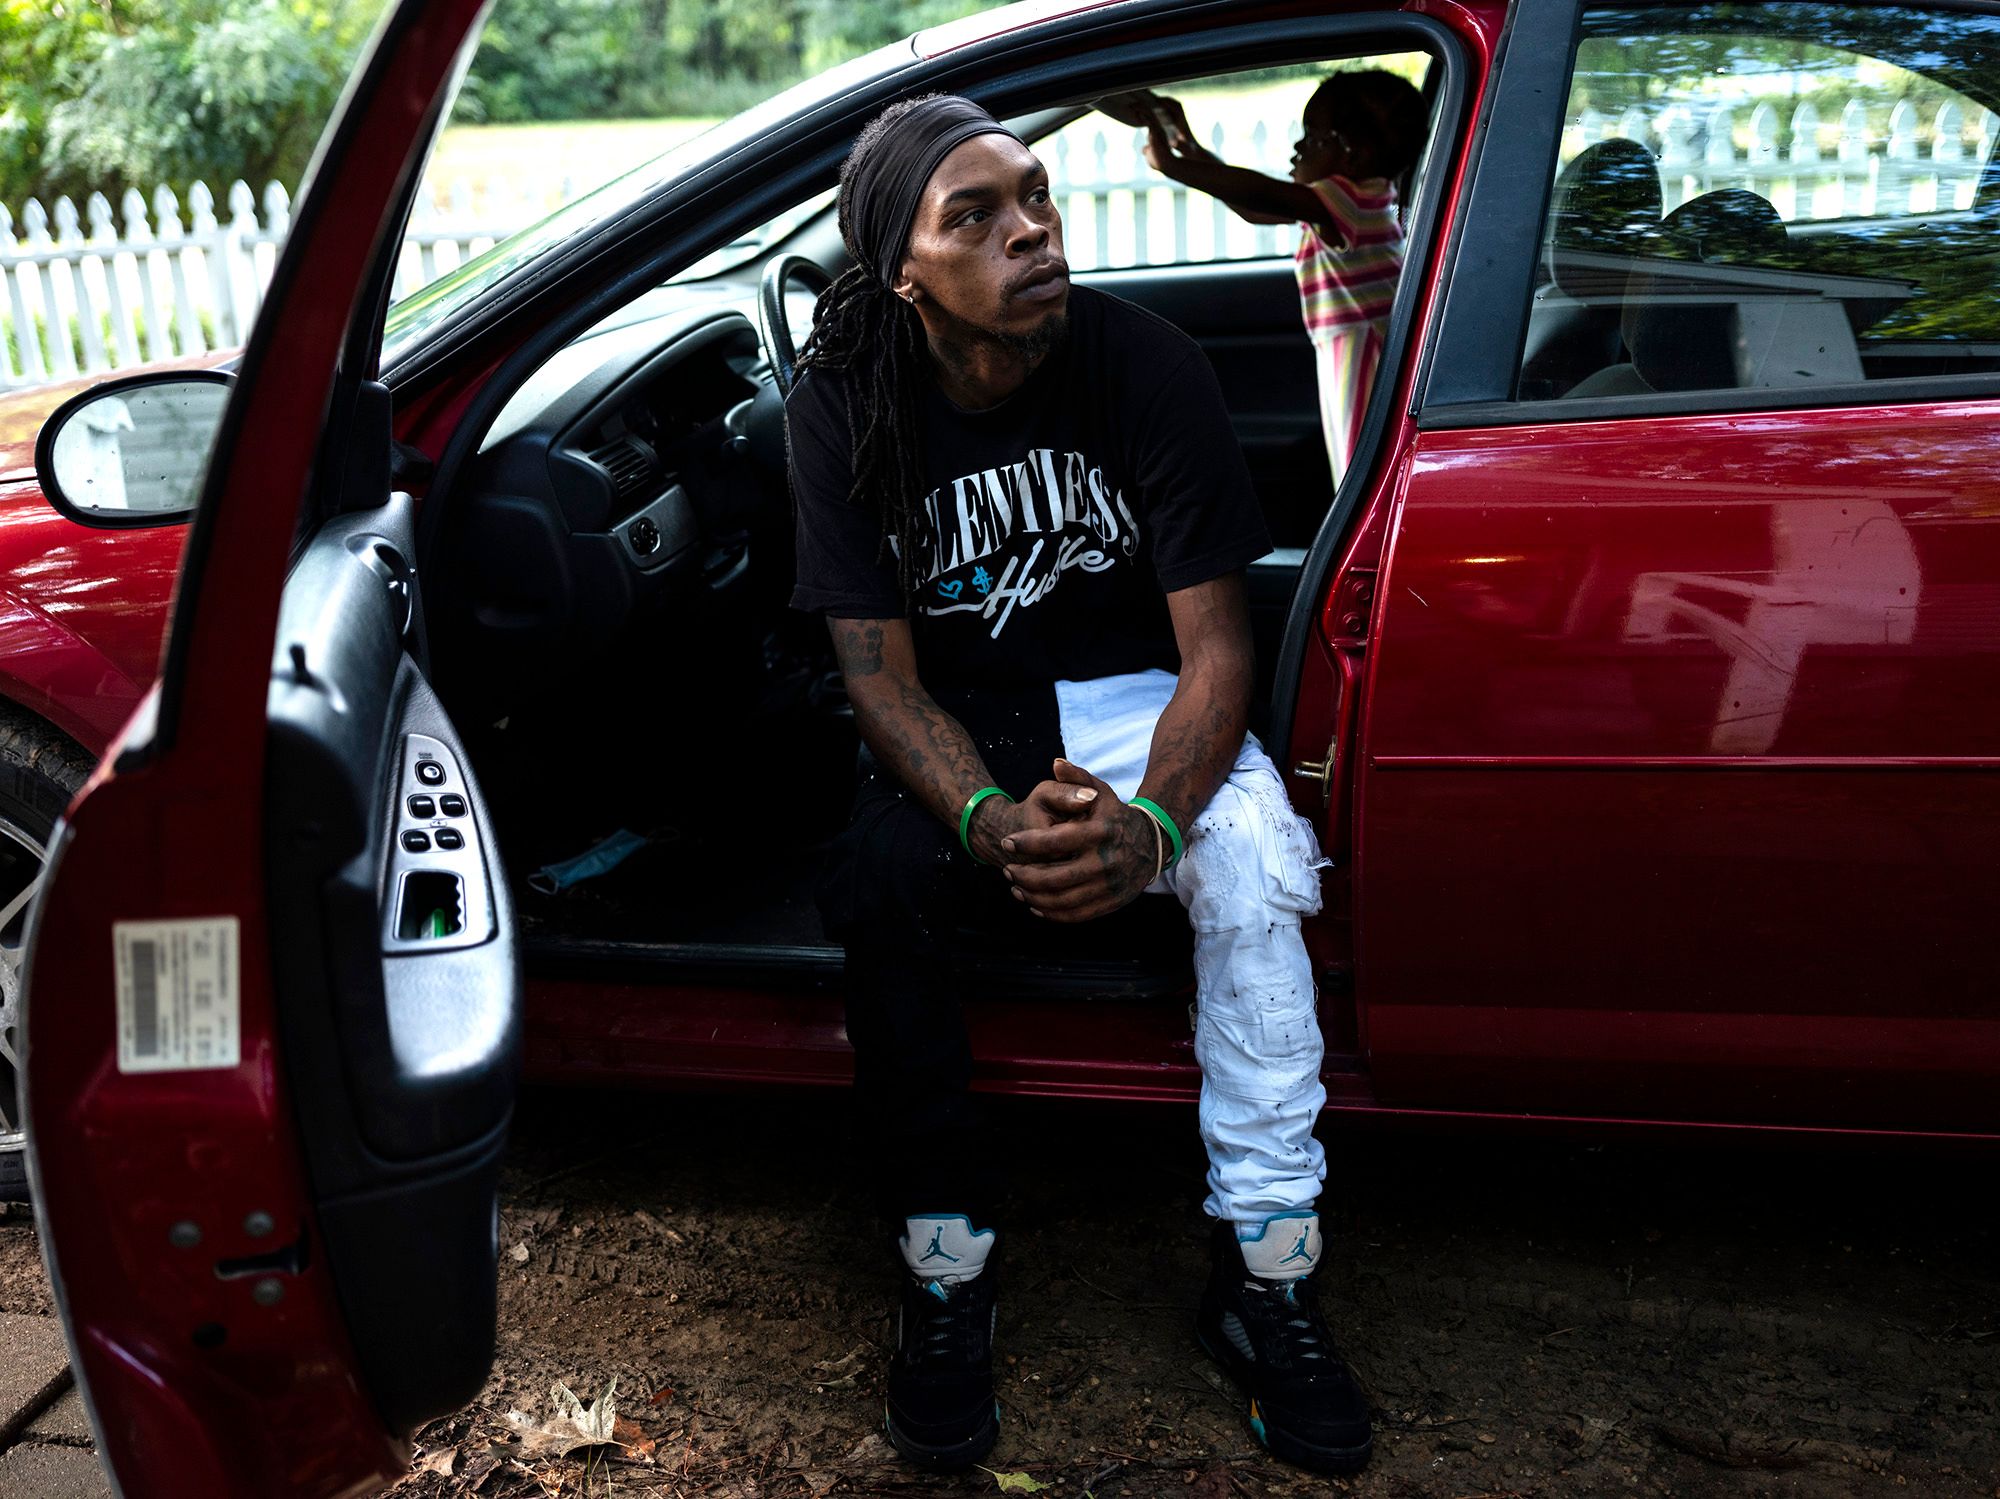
x=156 y=281
x=96 y=291
x=1831 y=168
x=1117 y=211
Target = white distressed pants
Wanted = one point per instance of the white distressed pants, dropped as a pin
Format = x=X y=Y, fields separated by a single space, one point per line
x=1250 y=873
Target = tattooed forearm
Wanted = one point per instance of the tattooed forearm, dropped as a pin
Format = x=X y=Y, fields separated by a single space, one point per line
x=944 y=766
x=858 y=645
x=924 y=746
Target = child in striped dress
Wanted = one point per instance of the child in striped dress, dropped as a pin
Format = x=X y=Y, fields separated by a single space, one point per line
x=1361 y=131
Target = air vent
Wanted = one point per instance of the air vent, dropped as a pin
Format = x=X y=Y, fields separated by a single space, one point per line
x=629 y=462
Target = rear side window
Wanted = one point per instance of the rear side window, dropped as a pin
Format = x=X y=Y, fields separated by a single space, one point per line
x=1770 y=197
x=1119 y=213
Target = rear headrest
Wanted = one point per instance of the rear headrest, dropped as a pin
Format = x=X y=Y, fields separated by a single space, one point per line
x=1730 y=226
x=1687 y=343
x=1607 y=201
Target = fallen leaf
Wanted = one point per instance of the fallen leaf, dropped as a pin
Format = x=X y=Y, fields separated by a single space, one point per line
x=571 y=1426
x=478 y=1468
x=840 y=1372
x=868 y=1452
x=626 y=1434
x=1014 y=1483
x=595 y=1423
x=661 y=1397
x=440 y=1462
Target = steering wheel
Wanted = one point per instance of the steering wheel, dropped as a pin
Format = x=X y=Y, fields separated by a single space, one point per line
x=776 y=326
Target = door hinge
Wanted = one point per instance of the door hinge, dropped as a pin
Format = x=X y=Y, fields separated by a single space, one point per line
x=1353 y=607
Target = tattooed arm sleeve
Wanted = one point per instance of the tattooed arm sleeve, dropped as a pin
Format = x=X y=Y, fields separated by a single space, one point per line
x=1198 y=735
x=925 y=746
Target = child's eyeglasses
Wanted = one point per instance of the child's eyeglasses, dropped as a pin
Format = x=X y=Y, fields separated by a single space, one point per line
x=1324 y=135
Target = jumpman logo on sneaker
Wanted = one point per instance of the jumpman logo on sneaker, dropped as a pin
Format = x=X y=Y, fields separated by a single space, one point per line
x=1299 y=1250
x=937 y=1250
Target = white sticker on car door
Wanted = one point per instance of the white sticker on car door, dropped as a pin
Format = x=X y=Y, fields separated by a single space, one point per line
x=177 y=994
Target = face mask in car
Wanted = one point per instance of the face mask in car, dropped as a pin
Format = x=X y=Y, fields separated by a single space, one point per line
x=600 y=859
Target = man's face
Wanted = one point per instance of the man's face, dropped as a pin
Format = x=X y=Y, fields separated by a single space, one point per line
x=985 y=253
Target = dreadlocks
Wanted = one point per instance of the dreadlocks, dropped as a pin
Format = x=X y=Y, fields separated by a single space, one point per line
x=863 y=329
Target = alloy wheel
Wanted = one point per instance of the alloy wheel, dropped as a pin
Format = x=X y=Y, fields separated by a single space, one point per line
x=22 y=856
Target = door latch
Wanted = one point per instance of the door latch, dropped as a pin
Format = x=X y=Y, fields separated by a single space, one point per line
x=1321 y=771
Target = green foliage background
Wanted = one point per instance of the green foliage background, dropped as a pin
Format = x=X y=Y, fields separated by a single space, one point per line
x=99 y=95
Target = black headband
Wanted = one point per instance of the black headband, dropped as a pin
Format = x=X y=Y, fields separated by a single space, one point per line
x=882 y=194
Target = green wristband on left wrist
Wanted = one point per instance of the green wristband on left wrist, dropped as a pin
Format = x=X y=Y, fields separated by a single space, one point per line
x=965 y=817
x=1159 y=814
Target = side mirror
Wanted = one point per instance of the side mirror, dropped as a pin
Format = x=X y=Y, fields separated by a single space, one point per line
x=132 y=452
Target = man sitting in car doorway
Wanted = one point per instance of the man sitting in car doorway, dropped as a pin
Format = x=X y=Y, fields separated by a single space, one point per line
x=1025 y=515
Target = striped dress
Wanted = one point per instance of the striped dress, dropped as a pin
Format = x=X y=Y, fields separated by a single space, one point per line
x=1346 y=290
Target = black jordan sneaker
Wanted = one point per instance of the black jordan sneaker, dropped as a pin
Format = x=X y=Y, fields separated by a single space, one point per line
x=1268 y=1333
x=941 y=1410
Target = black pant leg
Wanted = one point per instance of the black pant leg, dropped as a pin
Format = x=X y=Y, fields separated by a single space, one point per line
x=899 y=884
x=911 y=908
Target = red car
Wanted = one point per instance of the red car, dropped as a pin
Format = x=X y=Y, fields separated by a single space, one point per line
x=1643 y=674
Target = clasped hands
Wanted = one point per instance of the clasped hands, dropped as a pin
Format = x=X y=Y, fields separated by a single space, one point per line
x=1072 y=850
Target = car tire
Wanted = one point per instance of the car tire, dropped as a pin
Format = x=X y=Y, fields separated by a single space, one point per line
x=40 y=770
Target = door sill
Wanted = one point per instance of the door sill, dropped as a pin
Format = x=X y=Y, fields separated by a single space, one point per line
x=820 y=968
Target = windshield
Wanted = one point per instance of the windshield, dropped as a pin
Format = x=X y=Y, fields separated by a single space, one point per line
x=424 y=309
x=415 y=315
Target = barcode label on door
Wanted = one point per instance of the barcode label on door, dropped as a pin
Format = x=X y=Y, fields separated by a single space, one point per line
x=177 y=994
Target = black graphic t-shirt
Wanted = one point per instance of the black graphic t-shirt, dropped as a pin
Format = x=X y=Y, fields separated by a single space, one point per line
x=1056 y=521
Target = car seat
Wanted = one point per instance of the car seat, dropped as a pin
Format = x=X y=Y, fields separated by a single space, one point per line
x=1687 y=330
x=1606 y=202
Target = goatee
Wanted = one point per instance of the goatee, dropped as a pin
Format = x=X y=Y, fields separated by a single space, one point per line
x=1038 y=342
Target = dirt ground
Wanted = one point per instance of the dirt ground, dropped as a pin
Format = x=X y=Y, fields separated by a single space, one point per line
x=1532 y=1318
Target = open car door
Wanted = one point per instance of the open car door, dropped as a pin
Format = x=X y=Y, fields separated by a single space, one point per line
x=273 y=997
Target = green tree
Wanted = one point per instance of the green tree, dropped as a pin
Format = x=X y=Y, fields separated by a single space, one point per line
x=107 y=94
x=593 y=59
x=138 y=92
x=45 y=46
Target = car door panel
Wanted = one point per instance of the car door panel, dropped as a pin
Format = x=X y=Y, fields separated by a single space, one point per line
x=400 y=1030
x=1675 y=792
x=221 y=1232
x=1684 y=729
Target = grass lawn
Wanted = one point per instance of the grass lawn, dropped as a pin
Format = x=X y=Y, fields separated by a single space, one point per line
x=539 y=159
x=512 y=174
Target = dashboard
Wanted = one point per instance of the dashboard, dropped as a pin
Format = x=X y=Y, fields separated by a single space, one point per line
x=627 y=474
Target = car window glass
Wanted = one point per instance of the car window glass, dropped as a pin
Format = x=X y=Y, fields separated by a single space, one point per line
x=569 y=116
x=1118 y=212
x=1770 y=197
